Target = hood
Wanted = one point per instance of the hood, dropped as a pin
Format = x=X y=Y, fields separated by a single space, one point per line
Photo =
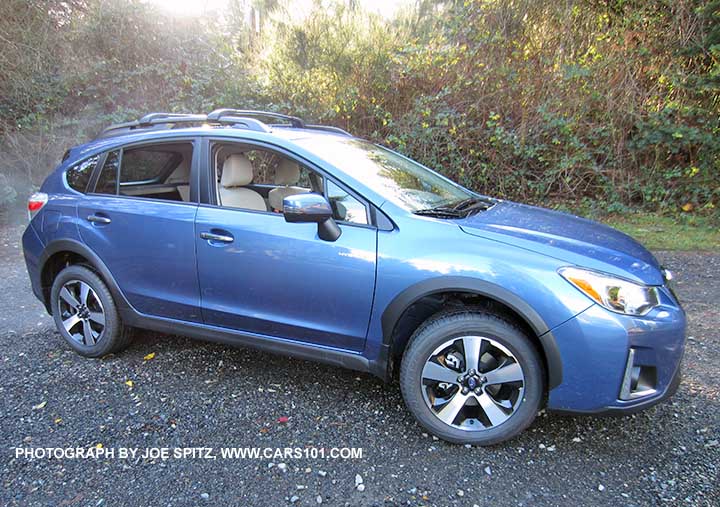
x=566 y=237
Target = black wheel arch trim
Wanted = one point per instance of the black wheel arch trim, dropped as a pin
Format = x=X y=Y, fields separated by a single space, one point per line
x=76 y=247
x=394 y=311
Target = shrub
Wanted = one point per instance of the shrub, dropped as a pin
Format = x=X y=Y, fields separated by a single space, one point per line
x=608 y=104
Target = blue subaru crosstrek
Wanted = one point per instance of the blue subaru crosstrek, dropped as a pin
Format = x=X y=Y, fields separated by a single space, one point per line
x=256 y=229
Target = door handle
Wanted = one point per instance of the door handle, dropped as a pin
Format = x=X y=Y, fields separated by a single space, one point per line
x=211 y=236
x=98 y=219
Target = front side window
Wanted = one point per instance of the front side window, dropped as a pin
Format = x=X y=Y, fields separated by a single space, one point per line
x=259 y=180
x=78 y=176
x=256 y=179
x=398 y=179
x=345 y=207
x=155 y=172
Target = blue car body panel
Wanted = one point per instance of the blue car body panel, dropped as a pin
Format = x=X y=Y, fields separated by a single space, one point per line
x=156 y=268
x=658 y=339
x=407 y=257
x=278 y=283
x=279 y=279
x=573 y=239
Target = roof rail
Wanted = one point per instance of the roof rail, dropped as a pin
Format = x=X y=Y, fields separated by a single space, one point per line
x=329 y=128
x=220 y=113
x=155 y=118
x=128 y=125
x=248 y=123
x=234 y=117
x=161 y=120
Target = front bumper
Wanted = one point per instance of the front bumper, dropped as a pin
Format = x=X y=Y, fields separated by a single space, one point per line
x=600 y=351
x=638 y=406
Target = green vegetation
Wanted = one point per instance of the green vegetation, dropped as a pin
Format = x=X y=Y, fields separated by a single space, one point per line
x=611 y=106
x=669 y=233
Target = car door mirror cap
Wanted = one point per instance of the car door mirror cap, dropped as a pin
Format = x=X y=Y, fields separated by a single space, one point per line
x=312 y=208
x=306 y=208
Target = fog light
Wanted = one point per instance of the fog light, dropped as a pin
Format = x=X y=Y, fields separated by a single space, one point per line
x=639 y=380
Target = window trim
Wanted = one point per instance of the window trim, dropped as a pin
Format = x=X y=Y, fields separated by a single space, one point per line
x=212 y=188
x=196 y=143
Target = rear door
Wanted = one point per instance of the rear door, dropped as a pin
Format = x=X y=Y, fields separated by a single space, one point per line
x=139 y=219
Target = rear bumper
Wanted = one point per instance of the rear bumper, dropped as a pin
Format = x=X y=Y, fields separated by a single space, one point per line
x=602 y=352
x=32 y=249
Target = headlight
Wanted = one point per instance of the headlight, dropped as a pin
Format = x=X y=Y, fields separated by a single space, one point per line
x=615 y=294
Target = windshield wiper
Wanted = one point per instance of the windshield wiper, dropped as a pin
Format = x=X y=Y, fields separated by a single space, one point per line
x=473 y=203
x=464 y=203
x=440 y=211
x=459 y=209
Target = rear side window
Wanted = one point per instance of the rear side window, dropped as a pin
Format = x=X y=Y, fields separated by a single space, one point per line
x=146 y=166
x=107 y=181
x=151 y=172
x=78 y=176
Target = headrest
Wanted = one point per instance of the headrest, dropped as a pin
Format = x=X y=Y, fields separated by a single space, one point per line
x=237 y=171
x=287 y=173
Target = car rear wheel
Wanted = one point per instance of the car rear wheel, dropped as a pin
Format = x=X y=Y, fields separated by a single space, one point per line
x=472 y=377
x=85 y=313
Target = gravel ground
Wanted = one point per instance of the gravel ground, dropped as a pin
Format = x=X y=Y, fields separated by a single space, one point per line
x=192 y=394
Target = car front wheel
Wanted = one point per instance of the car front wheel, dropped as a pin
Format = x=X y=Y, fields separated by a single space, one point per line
x=472 y=377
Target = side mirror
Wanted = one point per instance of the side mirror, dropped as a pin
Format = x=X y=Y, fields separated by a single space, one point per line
x=312 y=208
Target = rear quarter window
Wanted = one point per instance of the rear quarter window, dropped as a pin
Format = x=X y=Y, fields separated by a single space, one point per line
x=78 y=176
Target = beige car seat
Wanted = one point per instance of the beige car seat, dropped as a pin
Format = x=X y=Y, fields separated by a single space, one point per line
x=238 y=172
x=287 y=174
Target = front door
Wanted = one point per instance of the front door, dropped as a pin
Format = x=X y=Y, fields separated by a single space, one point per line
x=261 y=274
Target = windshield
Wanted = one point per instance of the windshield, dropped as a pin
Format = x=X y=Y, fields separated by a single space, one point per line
x=398 y=179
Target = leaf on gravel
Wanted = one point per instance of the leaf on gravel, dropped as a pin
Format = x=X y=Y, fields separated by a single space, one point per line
x=76 y=499
x=129 y=383
x=58 y=420
x=148 y=357
x=40 y=405
x=283 y=419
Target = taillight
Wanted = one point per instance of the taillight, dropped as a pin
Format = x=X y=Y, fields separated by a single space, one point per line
x=36 y=203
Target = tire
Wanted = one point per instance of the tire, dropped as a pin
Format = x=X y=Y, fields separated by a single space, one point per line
x=501 y=345
x=78 y=285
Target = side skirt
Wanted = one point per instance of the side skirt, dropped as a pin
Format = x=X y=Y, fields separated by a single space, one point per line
x=232 y=337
